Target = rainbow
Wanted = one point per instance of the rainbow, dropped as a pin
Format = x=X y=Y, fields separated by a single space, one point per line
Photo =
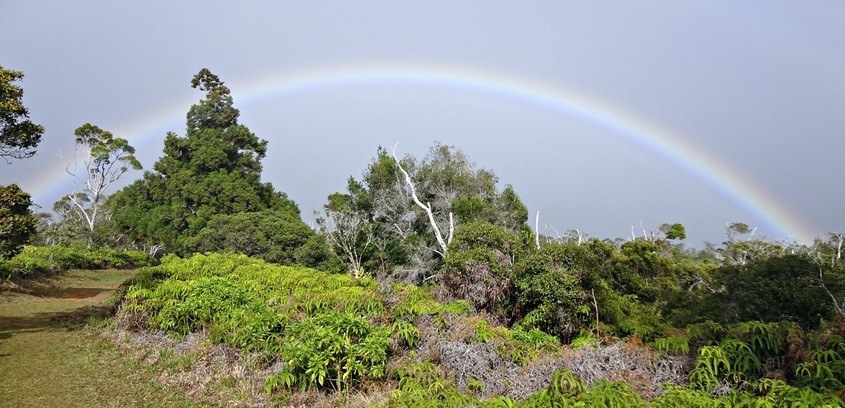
x=660 y=142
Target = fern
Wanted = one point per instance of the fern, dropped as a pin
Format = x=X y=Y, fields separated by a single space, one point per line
x=767 y=340
x=407 y=334
x=711 y=365
x=744 y=364
x=612 y=394
x=673 y=345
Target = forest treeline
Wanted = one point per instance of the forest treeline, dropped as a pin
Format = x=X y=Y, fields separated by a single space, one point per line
x=759 y=319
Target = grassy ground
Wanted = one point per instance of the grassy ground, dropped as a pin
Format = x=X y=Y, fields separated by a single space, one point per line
x=51 y=352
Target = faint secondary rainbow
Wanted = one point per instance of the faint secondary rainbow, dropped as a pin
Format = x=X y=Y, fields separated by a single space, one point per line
x=674 y=149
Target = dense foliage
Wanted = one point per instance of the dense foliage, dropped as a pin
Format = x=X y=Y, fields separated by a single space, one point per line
x=274 y=236
x=17 y=224
x=317 y=323
x=18 y=135
x=60 y=258
x=392 y=234
x=214 y=170
x=335 y=332
x=774 y=289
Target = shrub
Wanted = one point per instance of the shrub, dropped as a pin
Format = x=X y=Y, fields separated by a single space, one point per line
x=274 y=236
x=59 y=258
x=769 y=290
x=331 y=350
x=550 y=292
x=478 y=267
x=422 y=384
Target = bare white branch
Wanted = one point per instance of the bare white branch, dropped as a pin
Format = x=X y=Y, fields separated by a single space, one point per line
x=425 y=207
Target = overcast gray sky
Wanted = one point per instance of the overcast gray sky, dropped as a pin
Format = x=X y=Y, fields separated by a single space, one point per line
x=601 y=116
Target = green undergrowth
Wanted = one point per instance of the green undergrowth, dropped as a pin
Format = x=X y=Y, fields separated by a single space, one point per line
x=767 y=364
x=334 y=333
x=34 y=260
x=423 y=385
x=331 y=332
x=325 y=327
x=517 y=344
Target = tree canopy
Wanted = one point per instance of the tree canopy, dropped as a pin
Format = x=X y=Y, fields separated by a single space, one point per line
x=18 y=135
x=392 y=230
x=17 y=224
x=105 y=159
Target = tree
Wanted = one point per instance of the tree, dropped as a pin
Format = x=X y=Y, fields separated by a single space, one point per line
x=442 y=242
x=277 y=237
x=770 y=290
x=214 y=169
x=828 y=257
x=742 y=247
x=448 y=188
x=67 y=224
x=674 y=231
x=17 y=223
x=407 y=204
x=18 y=135
x=348 y=229
x=105 y=159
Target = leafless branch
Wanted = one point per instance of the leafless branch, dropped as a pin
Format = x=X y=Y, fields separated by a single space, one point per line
x=444 y=243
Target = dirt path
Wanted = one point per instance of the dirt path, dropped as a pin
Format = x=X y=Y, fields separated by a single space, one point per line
x=51 y=353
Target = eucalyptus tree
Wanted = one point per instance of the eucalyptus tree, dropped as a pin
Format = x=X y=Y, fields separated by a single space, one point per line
x=104 y=160
x=18 y=135
x=348 y=229
x=828 y=258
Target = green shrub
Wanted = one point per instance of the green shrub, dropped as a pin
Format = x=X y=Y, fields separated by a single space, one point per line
x=59 y=258
x=478 y=266
x=567 y=390
x=316 y=322
x=518 y=345
x=274 y=236
x=422 y=384
x=331 y=350
x=550 y=294
x=672 y=345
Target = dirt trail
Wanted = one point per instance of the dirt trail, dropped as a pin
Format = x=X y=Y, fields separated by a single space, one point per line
x=51 y=353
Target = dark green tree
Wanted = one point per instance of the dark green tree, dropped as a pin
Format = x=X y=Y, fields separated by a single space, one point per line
x=18 y=135
x=215 y=169
x=17 y=223
x=674 y=231
x=777 y=288
x=274 y=236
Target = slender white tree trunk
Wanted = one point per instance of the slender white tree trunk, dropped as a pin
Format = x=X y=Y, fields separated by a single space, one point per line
x=443 y=243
